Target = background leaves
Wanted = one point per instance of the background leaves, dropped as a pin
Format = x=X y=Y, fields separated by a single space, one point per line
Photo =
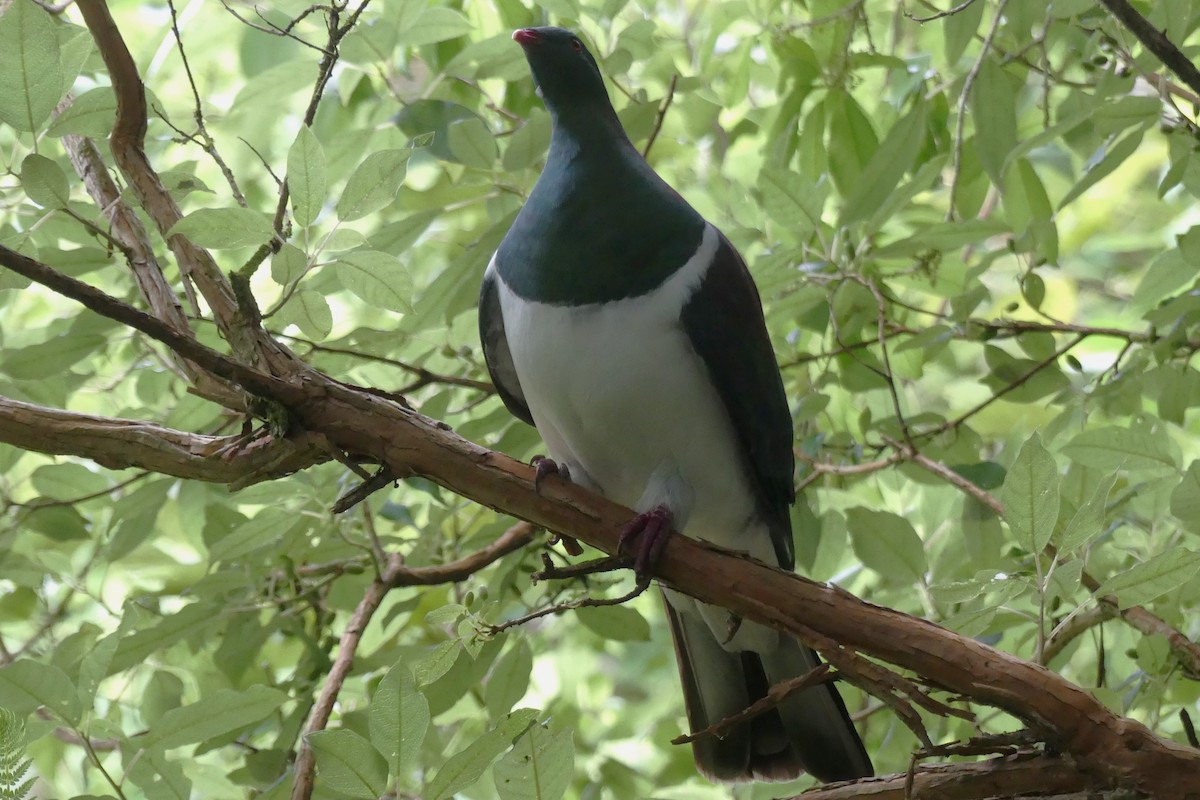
x=980 y=290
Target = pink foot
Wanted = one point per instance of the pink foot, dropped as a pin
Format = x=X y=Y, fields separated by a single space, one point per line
x=544 y=467
x=648 y=533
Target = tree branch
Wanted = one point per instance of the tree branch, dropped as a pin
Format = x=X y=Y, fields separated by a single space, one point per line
x=124 y=443
x=395 y=575
x=1118 y=750
x=1155 y=41
x=127 y=144
x=1011 y=777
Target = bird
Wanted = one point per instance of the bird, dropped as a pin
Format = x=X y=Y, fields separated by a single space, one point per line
x=629 y=332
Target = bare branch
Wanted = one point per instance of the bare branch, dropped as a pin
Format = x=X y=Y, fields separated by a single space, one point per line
x=319 y=717
x=661 y=116
x=123 y=444
x=1012 y=777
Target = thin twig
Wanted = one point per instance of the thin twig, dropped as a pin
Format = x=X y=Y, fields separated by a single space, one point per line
x=661 y=115
x=963 y=6
x=202 y=137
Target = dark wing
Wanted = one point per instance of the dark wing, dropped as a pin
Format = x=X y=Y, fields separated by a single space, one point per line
x=724 y=320
x=495 y=350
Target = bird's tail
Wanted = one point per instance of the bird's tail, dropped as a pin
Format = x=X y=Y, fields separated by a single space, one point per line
x=808 y=732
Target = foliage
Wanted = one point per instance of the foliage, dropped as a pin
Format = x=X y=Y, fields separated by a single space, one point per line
x=975 y=238
x=15 y=781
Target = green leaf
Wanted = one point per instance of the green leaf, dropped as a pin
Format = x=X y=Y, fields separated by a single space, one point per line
x=49 y=358
x=1169 y=272
x=959 y=29
x=160 y=777
x=994 y=112
x=215 y=714
x=1113 y=448
x=31 y=79
x=471 y=143
x=288 y=265
x=1088 y=522
x=94 y=667
x=218 y=228
x=92 y=114
x=509 y=678
x=538 y=767
x=529 y=143
x=1025 y=199
x=1185 y=498
x=1144 y=582
x=262 y=530
x=135 y=648
x=309 y=311
x=348 y=764
x=58 y=523
x=44 y=182
x=1030 y=495
x=399 y=719
x=68 y=481
x=373 y=184
x=437 y=662
x=791 y=201
x=893 y=158
x=852 y=140
x=467 y=766
x=377 y=278
x=435 y=25
x=619 y=623
x=1103 y=163
x=26 y=685
x=887 y=544
x=306 y=176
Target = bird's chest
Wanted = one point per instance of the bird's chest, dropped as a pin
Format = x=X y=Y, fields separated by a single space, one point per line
x=617 y=390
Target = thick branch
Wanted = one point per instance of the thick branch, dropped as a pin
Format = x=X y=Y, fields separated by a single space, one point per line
x=1012 y=777
x=1118 y=749
x=1104 y=744
x=217 y=363
x=123 y=443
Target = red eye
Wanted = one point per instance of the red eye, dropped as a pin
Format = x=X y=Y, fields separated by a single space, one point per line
x=577 y=45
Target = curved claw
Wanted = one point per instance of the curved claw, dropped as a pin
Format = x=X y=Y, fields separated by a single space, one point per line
x=543 y=467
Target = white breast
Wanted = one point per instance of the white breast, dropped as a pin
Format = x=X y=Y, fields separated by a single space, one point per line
x=620 y=396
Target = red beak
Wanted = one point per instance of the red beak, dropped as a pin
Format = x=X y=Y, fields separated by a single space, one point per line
x=526 y=37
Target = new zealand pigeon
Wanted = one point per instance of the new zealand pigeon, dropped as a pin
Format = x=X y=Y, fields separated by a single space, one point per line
x=628 y=330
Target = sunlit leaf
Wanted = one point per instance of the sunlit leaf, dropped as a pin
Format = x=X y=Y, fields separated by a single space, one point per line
x=1030 y=495
x=376 y=278
x=1144 y=582
x=218 y=712
x=219 y=228
x=399 y=718
x=887 y=544
x=31 y=80
x=306 y=176
x=348 y=764
x=373 y=184
x=538 y=767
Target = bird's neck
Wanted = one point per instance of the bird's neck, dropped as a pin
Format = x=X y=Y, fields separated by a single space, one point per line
x=592 y=128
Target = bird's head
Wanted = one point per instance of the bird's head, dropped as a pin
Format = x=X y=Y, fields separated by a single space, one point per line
x=566 y=75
